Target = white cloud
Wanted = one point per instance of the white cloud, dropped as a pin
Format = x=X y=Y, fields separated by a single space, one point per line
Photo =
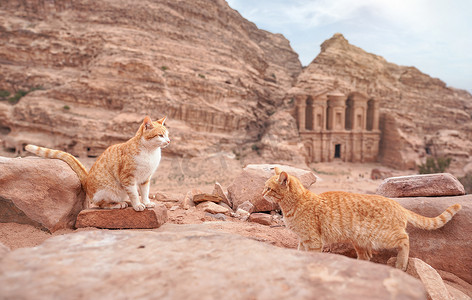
x=433 y=35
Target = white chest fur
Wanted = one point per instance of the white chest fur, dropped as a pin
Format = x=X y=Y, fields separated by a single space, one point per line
x=146 y=164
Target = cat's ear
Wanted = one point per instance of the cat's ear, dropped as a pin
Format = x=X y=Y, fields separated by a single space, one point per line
x=283 y=178
x=277 y=170
x=161 y=121
x=147 y=123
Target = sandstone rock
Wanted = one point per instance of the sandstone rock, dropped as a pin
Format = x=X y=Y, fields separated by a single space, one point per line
x=212 y=207
x=199 y=198
x=45 y=193
x=452 y=281
x=241 y=214
x=103 y=264
x=431 y=280
x=3 y=250
x=281 y=141
x=188 y=199
x=248 y=186
x=441 y=184
x=376 y=174
x=213 y=73
x=247 y=206
x=456 y=294
x=126 y=218
x=167 y=197
x=261 y=218
x=219 y=216
x=226 y=206
x=439 y=248
x=218 y=191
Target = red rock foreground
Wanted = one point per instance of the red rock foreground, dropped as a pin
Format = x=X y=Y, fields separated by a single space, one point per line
x=44 y=193
x=186 y=262
x=123 y=218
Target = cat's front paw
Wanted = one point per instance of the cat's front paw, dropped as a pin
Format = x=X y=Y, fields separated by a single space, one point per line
x=150 y=204
x=139 y=207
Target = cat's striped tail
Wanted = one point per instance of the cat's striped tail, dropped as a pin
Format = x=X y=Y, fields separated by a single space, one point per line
x=426 y=223
x=73 y=162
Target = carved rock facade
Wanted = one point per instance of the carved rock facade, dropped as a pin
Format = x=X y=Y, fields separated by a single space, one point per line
x=335 y=126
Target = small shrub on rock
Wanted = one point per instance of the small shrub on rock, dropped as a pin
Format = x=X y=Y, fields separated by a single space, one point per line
x=434 y=165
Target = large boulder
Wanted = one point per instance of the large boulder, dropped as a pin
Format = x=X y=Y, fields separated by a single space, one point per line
x=248 y=186
x=181 y=263
x=445 y=249
x=45 y=193
x=440 y=184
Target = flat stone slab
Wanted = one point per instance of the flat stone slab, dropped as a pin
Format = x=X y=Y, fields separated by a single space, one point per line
x=126 y=218
x=189 y=262
x=206 y=197
x=428 y=185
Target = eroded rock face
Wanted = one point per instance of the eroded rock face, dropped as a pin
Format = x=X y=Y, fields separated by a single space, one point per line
x=101 y=67
x=414 y=107
x=171 y=263
x=45 y=193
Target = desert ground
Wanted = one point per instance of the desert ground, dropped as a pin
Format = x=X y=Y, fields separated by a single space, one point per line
x=176 y=176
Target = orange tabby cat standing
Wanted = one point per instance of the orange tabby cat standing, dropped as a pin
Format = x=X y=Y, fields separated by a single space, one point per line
x=369 y=222
x=121 y=170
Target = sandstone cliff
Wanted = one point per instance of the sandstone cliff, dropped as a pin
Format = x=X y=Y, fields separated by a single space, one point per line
x=95 y=69
x=419 y=115
x=100 y=66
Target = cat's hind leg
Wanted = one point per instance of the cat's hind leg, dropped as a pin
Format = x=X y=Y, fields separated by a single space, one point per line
x=108 y=200
x=311 y=245
x=403 y=245
x=363 y=253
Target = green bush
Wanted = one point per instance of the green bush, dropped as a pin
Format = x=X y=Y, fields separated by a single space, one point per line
x=435 y=165
x=4 y=94
x=18 y=95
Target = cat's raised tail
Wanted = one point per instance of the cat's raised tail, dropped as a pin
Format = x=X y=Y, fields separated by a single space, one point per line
x=426 y=223
x=73 y=162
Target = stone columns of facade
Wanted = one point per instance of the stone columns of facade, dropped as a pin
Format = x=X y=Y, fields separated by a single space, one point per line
x=319 y=114
x=375 y=121
x=301 y=114
x=336 y=111
x=358 y=112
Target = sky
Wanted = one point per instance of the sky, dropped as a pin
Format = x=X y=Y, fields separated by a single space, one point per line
x=434 y=36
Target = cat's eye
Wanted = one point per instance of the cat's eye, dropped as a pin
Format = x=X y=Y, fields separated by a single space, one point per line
x=161 y=135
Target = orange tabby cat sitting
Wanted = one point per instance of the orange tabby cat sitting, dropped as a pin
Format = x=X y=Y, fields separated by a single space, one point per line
x=122 y=169
x=367 y=221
